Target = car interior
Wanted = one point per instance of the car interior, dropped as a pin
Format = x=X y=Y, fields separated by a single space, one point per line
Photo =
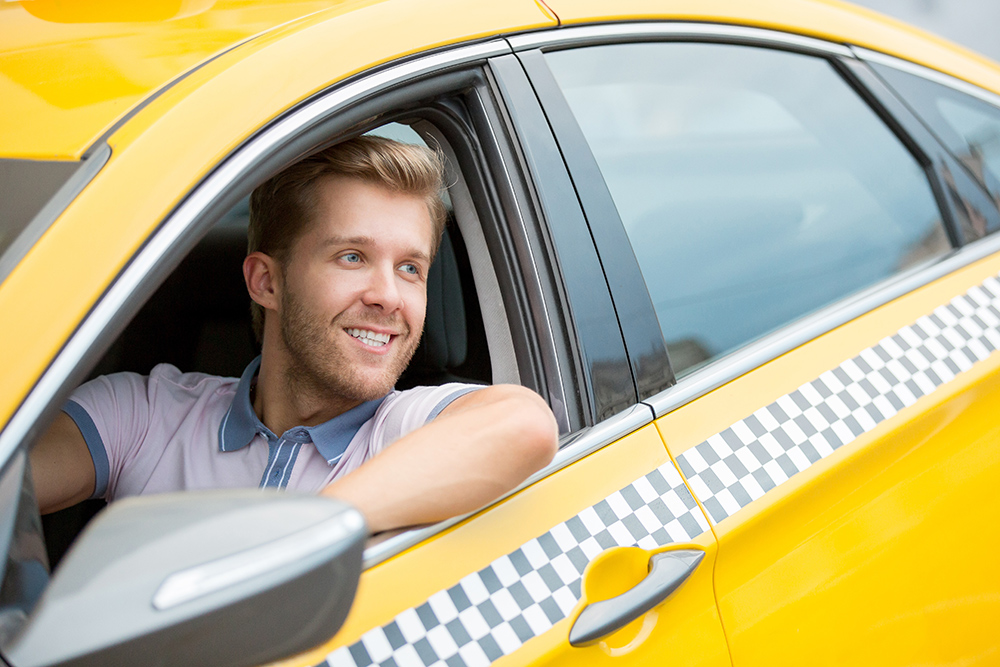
x=199 y=320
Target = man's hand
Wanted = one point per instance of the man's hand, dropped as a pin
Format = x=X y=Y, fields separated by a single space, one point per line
x=481 y=446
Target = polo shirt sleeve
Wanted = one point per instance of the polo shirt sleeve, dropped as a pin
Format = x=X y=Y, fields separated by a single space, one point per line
x=408 y=410
x=112 y=413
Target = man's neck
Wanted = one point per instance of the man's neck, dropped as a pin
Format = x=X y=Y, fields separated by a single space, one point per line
x=284 y=400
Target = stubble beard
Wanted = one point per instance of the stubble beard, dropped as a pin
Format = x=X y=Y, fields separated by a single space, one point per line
x=319 y=367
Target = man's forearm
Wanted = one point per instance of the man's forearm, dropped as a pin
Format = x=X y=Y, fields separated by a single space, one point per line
x=481 y=446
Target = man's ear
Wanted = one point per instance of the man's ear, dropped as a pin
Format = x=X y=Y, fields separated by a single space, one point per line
x=263 y=278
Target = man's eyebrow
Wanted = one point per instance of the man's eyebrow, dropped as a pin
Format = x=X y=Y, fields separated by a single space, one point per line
x=333 y=241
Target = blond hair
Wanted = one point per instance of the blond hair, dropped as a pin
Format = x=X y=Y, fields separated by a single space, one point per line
x=282 y=208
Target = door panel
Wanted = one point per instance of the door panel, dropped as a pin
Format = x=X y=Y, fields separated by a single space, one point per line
x=854 y=504
x=508 y=582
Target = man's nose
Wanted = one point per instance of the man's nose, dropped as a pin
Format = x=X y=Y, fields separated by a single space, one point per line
x=383 y=289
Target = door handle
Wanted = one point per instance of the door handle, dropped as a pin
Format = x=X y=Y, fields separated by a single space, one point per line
x=667 y=571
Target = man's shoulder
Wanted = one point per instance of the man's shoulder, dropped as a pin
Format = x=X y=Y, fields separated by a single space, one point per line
x=429 y=400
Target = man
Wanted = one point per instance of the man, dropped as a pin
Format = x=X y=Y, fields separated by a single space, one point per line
x=339 y=249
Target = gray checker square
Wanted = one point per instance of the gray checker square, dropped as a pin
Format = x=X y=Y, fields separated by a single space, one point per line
x=733 y=468
x=492 y=612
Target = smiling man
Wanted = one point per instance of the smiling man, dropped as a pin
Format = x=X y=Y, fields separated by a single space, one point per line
x=339 y=249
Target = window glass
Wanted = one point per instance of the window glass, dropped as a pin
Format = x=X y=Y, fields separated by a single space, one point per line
x=754 y=185
x=968 y=126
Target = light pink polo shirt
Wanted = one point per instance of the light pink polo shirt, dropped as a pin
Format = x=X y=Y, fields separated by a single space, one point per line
x=172 y=431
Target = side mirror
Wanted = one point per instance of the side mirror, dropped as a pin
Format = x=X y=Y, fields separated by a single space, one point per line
x=227 y=578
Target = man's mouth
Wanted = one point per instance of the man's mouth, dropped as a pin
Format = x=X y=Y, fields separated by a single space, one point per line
x=370 y=338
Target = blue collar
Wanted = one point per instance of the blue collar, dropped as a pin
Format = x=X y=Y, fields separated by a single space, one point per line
x=240 y=423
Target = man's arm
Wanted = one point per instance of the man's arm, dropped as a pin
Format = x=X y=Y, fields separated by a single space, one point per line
x=61 y=466
x=481 y=446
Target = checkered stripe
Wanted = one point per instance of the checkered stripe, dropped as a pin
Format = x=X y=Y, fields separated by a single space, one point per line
x=733 y=468
x=492 y=612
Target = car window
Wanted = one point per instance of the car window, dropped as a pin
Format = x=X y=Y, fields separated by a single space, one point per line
x=968 y=126
x=754 y=185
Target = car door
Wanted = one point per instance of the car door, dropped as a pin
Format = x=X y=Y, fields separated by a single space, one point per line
x=819 y=270
x=509 y=583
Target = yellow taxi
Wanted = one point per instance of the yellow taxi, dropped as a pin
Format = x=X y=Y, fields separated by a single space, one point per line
x=747 y=251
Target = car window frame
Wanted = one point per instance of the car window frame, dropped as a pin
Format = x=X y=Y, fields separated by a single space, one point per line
x=926 y=149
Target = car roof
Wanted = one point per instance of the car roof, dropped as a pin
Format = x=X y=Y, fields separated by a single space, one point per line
x=72 y=71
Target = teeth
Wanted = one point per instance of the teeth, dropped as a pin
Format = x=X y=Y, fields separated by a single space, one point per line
x=369 y=337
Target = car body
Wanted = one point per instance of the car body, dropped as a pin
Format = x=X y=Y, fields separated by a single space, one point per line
x=798 y=196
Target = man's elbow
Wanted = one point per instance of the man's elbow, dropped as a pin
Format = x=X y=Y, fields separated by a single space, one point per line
x=534 y=436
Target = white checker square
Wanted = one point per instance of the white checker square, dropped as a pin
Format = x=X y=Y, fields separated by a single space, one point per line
x=832 y=382
x=989 y=319
x=590 y=548
x=799 y=460
x=699 y=488
x=864 y=419
x=918 y=359
x=752 y=487
x=618 y=505
x=942 y=371
x=443 y=607
x=890 y=346
x=473 y=655
x=771 y=445
x=819 y=443
x=843 y=432
x=927 y=325
x=537 y=620
x=410 y=625
x=884 y=406
x=953 y=337
x=505 y=604
x=591 y=521
x=898 y=370
x=474 y=588
x=963 y=306
x=994 y=337
x=723 y=472
x=971 y=327
x=406 y=656
x=880 y=383
x=645 y=490
x=905 y=395
x=838 y=406
x=775 y=472
x=793 y=431
x=442 y=642
x=961 y=360
x=743 y=432
x=788 y=406
x=695 y=460
x=978 y=349
x=852 y=370
x=674 y=503
x=676 y=531
x=719 y=446
x=727 y=501
x=766 y=419
x=474 y=623
x=936 y=349
x=565 y=600
x=945 y=316
x=377 y=645
x=699 y=518
x=342 y=656
x=816 y=418
x=565 y=569
x=747 y=458
x=535 y=554
x=809 y=392
x=506 y=638
x=563 y=537
x=535 y=586
x=647 y=542
x=978 y=296
x=669 y=473
x=872 y=358
x=647 y=518
x=505 y=571
x=911 y=337
x=621 y=536
x=924 y=382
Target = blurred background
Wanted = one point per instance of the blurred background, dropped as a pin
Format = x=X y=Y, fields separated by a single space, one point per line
x=971 y=23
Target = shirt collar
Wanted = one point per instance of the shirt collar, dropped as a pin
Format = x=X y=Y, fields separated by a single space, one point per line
x=240 y=423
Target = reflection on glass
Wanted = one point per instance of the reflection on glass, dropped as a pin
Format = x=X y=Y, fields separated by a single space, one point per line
x=755 y=186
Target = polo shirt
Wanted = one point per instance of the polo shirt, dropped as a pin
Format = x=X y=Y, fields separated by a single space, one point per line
x=173 y=431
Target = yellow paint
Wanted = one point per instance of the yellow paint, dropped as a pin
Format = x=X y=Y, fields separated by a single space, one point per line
x=410 y=578
x=839 y=22
x=853 y=561
x=172 y=143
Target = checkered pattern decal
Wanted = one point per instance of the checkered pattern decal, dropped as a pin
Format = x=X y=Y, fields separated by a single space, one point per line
x=735 y=467
x=492 y=612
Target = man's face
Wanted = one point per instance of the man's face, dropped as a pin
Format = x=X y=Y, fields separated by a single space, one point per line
x=355 y=289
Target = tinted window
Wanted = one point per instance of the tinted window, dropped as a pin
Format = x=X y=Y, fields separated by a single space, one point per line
x=968 y=126
x=755 y=185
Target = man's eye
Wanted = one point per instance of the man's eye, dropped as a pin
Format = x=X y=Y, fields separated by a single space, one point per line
x=351 y=257
x=410 y=268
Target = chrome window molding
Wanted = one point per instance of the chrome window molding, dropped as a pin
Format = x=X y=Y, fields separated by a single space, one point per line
x=972 y=90
x=772 y=346
x=185 y=217
x=666 y=30
x=572 y=448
